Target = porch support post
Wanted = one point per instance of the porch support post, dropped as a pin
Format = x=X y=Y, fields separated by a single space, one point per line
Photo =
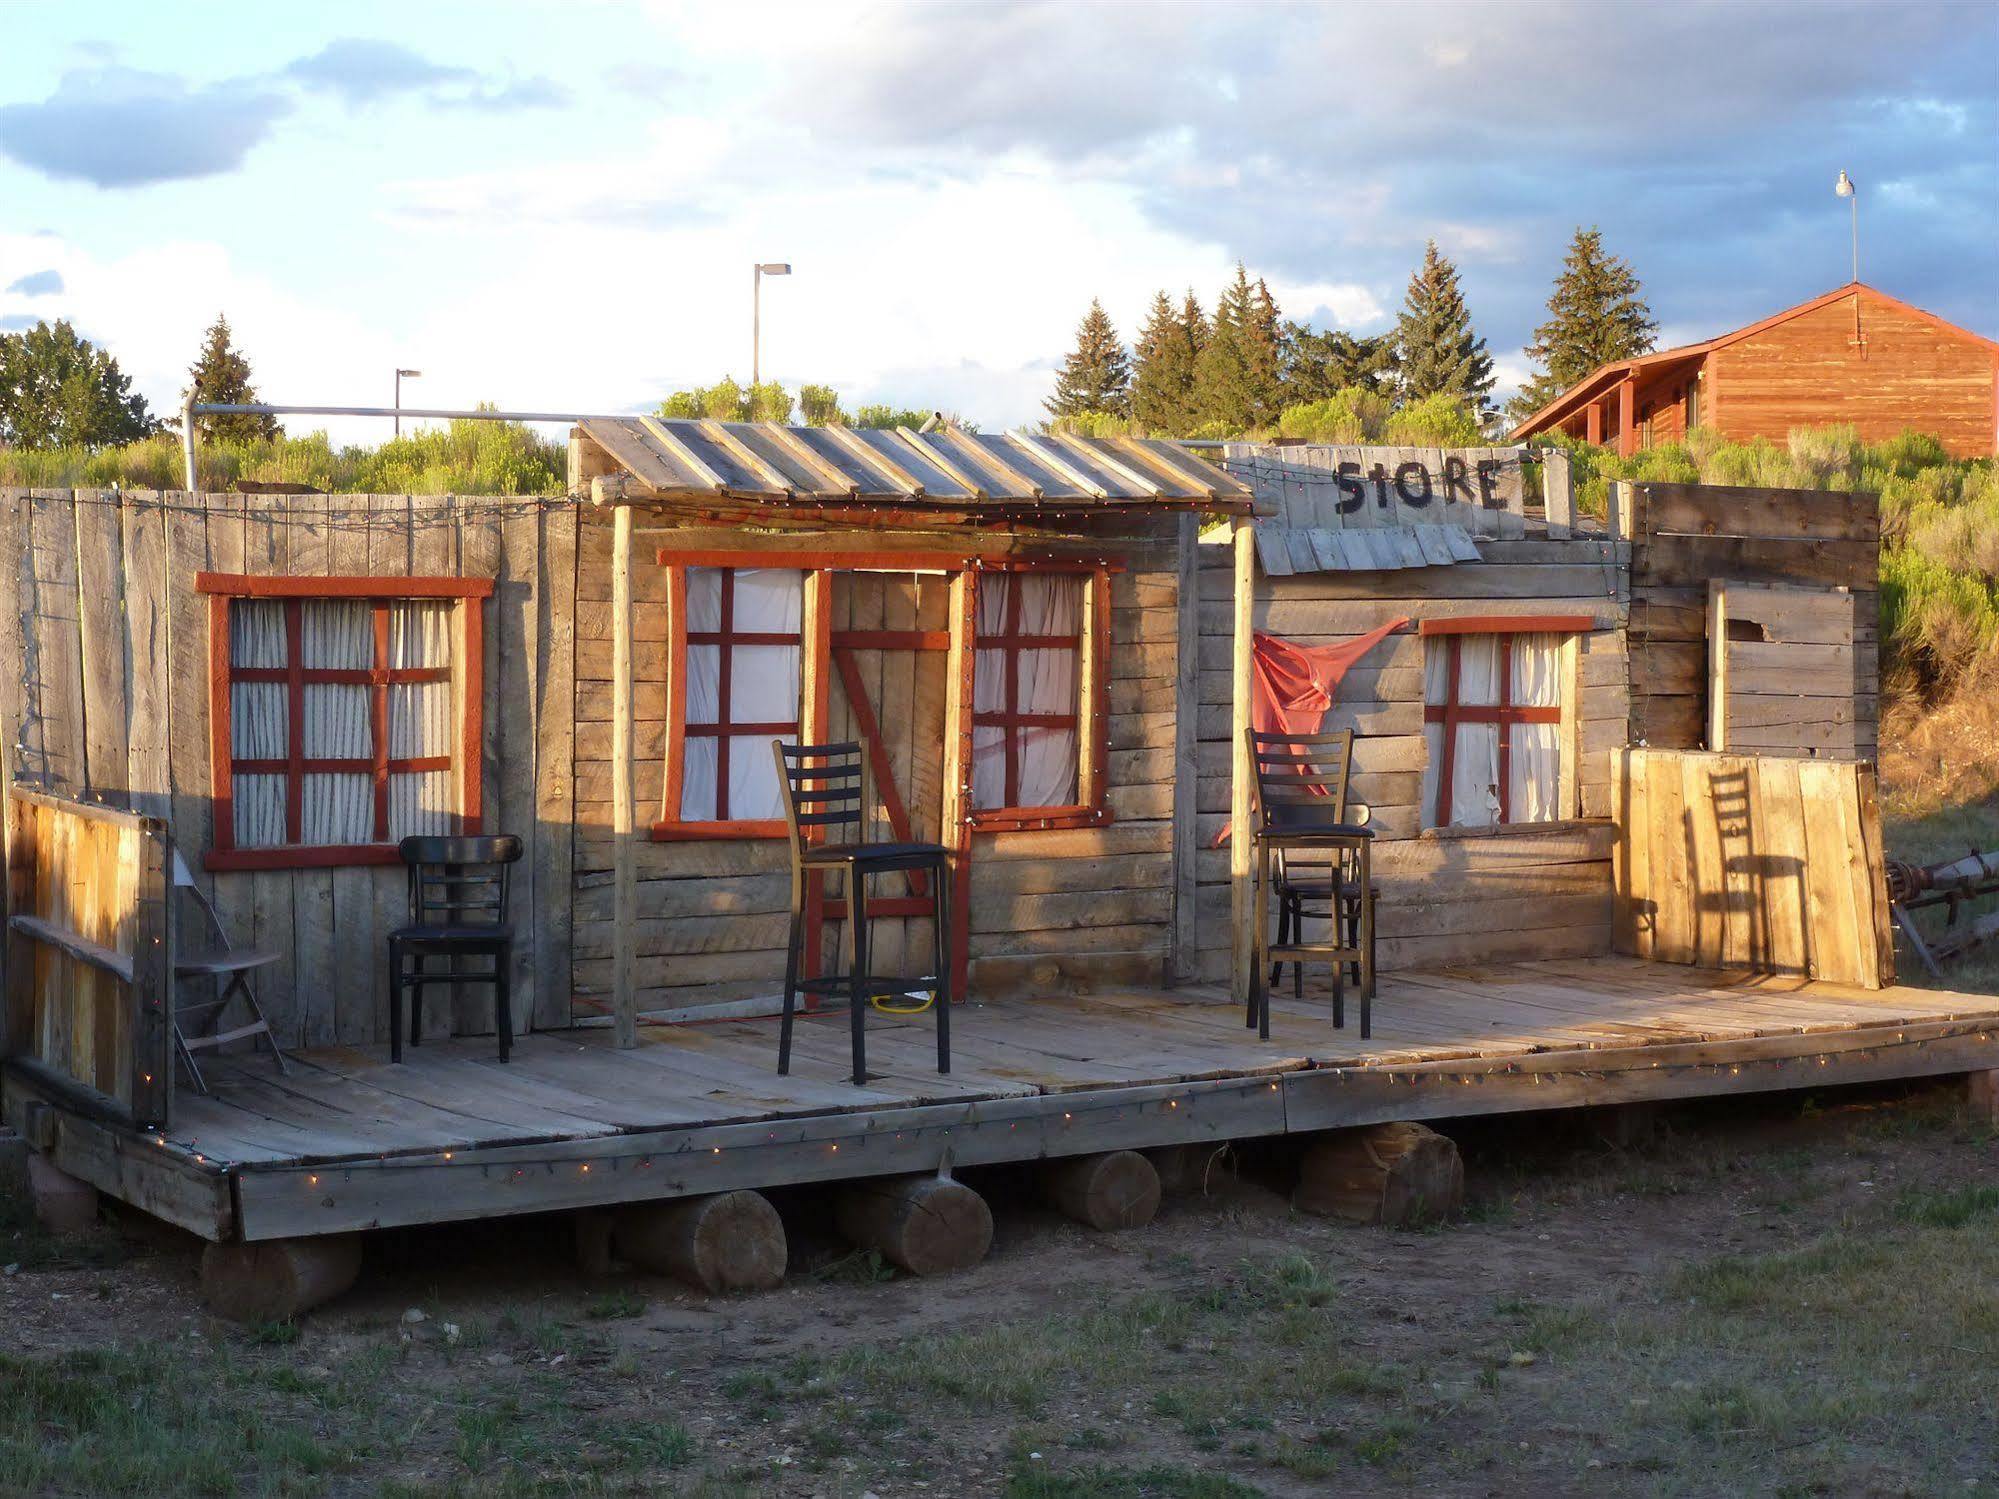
x=624 y=856
x=1242 y=895
x=1186 y=943
x=955 y=830
x=1593 y=422
x=815 y=720
x=1627 y=416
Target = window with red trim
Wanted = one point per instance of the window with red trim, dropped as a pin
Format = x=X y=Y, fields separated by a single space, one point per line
x=1496 y=720
x=735 y=678
x=340 y=716
x=1037 y=722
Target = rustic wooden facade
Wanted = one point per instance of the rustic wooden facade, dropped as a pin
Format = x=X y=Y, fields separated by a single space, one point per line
x=1105 y=936
x=1855 y=357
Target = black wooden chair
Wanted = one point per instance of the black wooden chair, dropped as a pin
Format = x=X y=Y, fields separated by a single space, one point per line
x=1316 y=862
x=458 y=912
x=826 y=808
x=197 y=1022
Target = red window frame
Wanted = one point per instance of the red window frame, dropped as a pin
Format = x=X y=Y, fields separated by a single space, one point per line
x=1091 y=719
x=223 y=590
x=1450 y=713
x=672 y=825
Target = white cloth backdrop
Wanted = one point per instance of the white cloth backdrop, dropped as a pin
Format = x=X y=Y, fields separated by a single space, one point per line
x=257 y=720
x=763 y=687
x=1050 y=604
x=421 y=720
x=1536 y=747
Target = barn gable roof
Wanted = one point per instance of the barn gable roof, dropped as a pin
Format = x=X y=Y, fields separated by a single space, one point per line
x=1604 y=375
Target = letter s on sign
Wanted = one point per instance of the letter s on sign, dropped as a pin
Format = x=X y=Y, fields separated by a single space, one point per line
x=1346 y=478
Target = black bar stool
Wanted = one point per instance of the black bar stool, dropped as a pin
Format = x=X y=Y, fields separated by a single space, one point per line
x=825 y=787
x=458 y=910
x=1316 y=863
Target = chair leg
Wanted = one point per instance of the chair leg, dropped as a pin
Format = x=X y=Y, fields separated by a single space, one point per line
x=857 y=982
x=240 y=984
x=940 y=946
x=503 y=999
x=187 y=1056
x=793 y=943
x=1283 y=936
x=395 y=1002
x=1297 y=935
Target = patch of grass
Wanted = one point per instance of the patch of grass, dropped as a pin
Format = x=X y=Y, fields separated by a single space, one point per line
x=615 y=1304
x=1949 y=1208
x=275 y=1334
x=1032 y=1480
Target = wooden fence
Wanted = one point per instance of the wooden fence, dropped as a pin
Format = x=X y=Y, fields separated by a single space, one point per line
x=1769 y=863
x=89 y=970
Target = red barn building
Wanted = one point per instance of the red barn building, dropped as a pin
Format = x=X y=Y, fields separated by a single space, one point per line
x=1855 y=355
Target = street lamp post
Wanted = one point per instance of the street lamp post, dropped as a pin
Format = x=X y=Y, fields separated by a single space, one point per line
x=765 y=268
x=402 y=375
x=1844 y=187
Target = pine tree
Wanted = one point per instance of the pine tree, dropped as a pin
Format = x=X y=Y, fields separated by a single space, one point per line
x=1265 y=354
x=1162 y=377
x=222 y=375
x=1439 y=353
x=1096 y=377
x=58 y=391
x=1224 y=393
x=1321 y=364
x=1596 y=316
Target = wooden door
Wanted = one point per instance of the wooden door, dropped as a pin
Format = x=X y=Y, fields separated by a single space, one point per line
x=889 y=639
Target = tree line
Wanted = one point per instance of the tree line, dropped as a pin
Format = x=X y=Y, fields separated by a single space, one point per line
x=1245 y=368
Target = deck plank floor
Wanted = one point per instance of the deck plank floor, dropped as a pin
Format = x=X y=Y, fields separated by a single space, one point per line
x=572 y=1121
x=349 y=1101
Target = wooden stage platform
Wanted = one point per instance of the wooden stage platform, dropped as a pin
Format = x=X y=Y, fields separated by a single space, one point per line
x=349 y=1141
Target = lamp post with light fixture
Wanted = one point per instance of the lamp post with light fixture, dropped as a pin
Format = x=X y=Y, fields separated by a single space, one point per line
x=764 y=268
x=402 y=375
x=1844 y=187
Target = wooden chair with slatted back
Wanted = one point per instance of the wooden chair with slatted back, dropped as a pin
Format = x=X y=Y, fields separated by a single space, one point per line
x=1314 y=859
x=197 y=1023
x=458 y=913
x=826 y=806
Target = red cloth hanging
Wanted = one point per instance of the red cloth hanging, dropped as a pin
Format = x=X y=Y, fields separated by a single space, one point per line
x=1292 y=685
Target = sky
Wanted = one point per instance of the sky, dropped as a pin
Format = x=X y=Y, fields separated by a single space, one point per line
x=558 y=207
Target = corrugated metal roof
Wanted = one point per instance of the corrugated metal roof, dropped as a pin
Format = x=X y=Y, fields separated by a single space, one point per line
x=945 y=468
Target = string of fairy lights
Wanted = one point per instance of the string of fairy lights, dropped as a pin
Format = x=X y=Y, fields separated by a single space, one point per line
x=904 y=1139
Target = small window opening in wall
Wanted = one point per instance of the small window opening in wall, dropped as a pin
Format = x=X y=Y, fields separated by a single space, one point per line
x=1749 y=630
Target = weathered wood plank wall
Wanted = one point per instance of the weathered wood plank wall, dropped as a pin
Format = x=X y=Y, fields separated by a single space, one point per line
x=1444 y=899
x=113 y=701
x=1763 y=862
x=1687 y=536
x=1085 y=905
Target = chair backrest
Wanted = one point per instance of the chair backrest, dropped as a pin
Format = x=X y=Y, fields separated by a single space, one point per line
x=459 y=881
x=184 y=880
x=825 y=787
x=1301 y=779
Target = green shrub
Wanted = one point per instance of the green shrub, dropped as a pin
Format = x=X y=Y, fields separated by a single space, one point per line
x=1351 y=414
x=1438 y=421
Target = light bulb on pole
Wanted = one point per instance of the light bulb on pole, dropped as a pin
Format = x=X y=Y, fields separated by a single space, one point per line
x=402 y=375
x=764 y=268
x=1844 y=187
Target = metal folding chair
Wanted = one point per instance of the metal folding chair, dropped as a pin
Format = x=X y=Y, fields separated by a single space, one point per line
x=230 y=967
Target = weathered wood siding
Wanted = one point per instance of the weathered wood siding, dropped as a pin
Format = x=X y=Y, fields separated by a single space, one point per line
x=1048 y=907
x=1688 y=536
x=1903 y=372
x=1753 y=861
x=112 y=702
x=1445 y=898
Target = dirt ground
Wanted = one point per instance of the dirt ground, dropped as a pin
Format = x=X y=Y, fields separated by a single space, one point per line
x=1792 y=1294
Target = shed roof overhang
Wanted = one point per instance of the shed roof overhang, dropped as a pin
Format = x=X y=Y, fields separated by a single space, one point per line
x=762 y=465
x=1605 y=379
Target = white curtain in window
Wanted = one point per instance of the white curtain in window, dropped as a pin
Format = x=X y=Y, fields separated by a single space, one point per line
x=763 y=687
x=337 y=808
x=1049 y=757
x=1475 y=764
x=257 y=720
x=1535 y=781
x=422 y=723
